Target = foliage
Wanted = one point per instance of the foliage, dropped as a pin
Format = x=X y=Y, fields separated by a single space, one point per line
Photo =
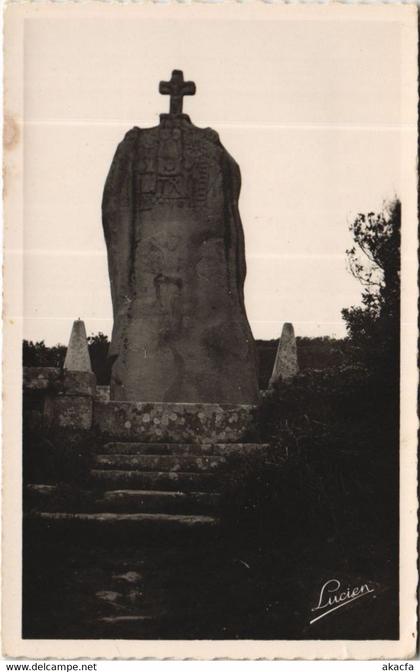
x=330 y=471
x=57 y=455
x=320 y=352
x=374 y=260
x=39 y=354
x=313 y=353
x=98 y=350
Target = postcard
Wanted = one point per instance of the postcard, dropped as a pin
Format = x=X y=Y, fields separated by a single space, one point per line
x=210 y=328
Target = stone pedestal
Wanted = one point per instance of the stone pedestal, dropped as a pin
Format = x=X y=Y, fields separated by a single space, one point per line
x=38 y=385
x=71 y=404
x=160 y=422
x=53 y=397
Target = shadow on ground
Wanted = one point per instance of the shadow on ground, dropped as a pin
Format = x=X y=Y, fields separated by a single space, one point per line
x=193 y=587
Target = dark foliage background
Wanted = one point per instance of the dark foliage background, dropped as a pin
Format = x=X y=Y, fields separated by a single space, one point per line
x=321 y=352
x=327 y=486
x=313 y=353
x=39 y=354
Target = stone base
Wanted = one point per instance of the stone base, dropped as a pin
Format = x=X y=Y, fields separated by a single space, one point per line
x=58 y=381
x=161 y=422
x=54 y=397
x=73 y=412
x=77 y=384
x=36 y=378
x=103 y=393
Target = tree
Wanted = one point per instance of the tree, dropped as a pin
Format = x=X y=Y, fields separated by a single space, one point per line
x=98 y=351
x=39 y=354
x=374 y=260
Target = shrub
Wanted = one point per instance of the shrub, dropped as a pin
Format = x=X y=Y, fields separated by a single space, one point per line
x=330 y=471
x=59 y=455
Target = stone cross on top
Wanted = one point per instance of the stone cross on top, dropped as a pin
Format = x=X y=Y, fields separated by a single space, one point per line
x=176 y=88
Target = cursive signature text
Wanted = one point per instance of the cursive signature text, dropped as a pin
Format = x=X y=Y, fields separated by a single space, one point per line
x=332 y=597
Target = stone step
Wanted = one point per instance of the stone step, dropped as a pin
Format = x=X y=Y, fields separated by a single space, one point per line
x=217 y=449
x=130 y=626
x=129 y=619
x=39 y=496
x=154 y=480
x=40 y=490
x=138 y=521
x=158 y=501
x=171 y=463
x=42 y=497
x=45 y=498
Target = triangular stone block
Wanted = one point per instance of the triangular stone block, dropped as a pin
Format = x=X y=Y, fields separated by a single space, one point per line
x=286 y=363
x=77 y=356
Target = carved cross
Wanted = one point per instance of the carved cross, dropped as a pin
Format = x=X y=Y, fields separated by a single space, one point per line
x=176 y=88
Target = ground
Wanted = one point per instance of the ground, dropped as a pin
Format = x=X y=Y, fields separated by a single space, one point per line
x=197 y=588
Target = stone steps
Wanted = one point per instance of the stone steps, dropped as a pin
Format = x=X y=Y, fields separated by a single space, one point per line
x=40 y=491
x=161 y=463
x=200 y=449
x=40 y=497
x=124 y=521
x=124 y=626
x=46 y=498
x=158 y=501
x=134 y=485
x=131 y=603
x=130 y=620
x=154 y=480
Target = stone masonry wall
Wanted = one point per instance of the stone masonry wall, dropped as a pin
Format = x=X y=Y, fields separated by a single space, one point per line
x=58 y=398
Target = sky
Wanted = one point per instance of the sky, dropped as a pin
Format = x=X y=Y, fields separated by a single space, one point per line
x=311 y=110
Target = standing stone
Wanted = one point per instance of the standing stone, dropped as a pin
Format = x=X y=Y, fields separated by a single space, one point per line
x=77 y=356
x=177 y=265
x=286 y=364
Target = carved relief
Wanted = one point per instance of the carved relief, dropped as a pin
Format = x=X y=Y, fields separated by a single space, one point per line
x=173 y=168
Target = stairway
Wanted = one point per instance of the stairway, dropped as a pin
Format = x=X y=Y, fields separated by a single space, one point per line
x=147 y=486
x=168 y=485
x=136 y=552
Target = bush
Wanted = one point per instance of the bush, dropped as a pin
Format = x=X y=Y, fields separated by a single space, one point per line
x=330 y=472
x=59 y=455
x=321 y=352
